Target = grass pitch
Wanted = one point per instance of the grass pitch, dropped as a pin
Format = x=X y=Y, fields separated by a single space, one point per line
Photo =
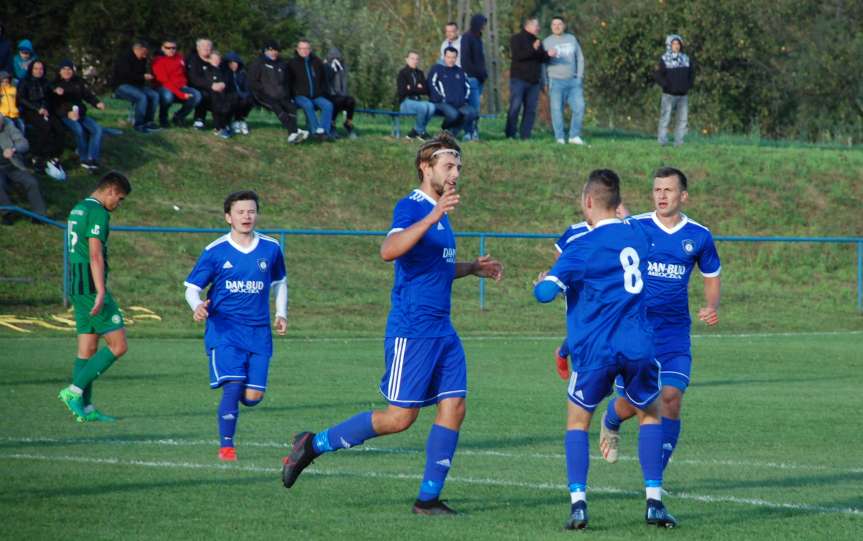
x=768 y=449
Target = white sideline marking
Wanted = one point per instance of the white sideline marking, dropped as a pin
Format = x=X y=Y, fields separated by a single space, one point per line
x=401 y=450
x=466 y=480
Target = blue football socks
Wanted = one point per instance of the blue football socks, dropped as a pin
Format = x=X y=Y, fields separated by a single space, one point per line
x=228 y=412
x=440 y=449
x=670 y=433
x=650 y=457
x=349 y=433
x=577 y=448
x=612 y=421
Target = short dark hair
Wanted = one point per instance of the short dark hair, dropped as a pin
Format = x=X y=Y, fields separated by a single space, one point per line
x=528 y=19
x=426 y=151
x=559 y=18
x=452 y=23
x=140 y=42
x=303 y=40
x=115 y=179
x=665 y=172
x=450 y=50
x=603 y=185
x=243 y=195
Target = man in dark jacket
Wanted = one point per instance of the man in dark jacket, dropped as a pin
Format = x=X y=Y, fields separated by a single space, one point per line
x=336 y=72
x=13 y=169
x=307 y=87
x=237 y=81
x=5 y=51
x=675 y=74
x=200 y=77
x=268 y=82
x=528 y=56
x=411 y=89
x=131 y=81
x=450 y=92
x=473 y=64
x=72 y=95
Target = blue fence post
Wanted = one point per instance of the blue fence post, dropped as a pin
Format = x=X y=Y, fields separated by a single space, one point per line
x=282 y=241
x=65 y=269
x=482 y=280
x=860 y=276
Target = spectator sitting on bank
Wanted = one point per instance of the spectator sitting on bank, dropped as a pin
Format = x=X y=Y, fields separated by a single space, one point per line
x=70 y=105
x=308 y=81
x=336 y=91
x=223 y=103
x=9 y=100
x=169 y=70
x=449 y=92
x=236 y=79
x=132 y=81
x=197 y=72
x=26 y=55
x=412 y=91
x=269 y=83
x=45 y=130
x=13 y=170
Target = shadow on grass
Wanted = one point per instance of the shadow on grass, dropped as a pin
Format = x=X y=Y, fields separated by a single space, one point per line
x=784 y=482
x=723 y=382
x=65 y=380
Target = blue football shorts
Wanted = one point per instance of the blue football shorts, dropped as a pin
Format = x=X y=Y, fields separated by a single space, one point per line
x=228 y=363
x=639 y=383
x=675 y=371
x=422 y=371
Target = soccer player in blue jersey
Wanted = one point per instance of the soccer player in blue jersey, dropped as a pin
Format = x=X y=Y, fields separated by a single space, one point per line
x=241 y=268
x=677 y=245
x=424 y=359
x=571 y=233
x=608 y=335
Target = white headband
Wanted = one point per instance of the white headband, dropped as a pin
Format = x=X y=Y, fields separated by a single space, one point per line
x=445 y=151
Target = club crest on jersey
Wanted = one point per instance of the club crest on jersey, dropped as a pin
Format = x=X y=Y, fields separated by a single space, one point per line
x=262 y=264
x=688 y=246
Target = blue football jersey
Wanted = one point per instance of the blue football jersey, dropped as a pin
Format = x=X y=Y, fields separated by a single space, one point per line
x=606 y=320
x=673 y=256
x=571 y=233
x=240 y=280
x=422 y=285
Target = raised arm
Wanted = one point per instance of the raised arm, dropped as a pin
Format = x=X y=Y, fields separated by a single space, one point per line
x=399 y=242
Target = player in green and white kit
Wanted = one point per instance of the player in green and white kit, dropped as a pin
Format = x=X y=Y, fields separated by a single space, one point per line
x=96 y=312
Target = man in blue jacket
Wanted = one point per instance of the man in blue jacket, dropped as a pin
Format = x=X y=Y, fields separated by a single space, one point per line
x=450 y=92
x=473 y=64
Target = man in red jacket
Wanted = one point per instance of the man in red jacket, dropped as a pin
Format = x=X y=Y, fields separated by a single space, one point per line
x=169 y=69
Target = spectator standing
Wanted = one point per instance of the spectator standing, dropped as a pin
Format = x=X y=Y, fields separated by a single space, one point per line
x=412 y=89
x=675 y=74
x=472 y=56
x=169 y=70
x=237 y=81
x=308 y=82
x=336 y=72
x=132 y=81
x=564 y=79
x=451 y=39
x=13 y=169
x=5 y=50
x=26 y=55
x=449 y=91
x=197 y=72
x=528 y=56
x=269 y=82
x=72 y=95
x=45 y=129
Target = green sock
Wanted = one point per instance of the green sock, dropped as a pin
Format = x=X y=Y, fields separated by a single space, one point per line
x=96 y=366
x=88 y=390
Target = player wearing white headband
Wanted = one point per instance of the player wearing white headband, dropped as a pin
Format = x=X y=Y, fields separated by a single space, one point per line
x=425 y=362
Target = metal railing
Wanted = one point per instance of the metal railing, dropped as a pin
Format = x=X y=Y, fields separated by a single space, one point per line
x=282 y=234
